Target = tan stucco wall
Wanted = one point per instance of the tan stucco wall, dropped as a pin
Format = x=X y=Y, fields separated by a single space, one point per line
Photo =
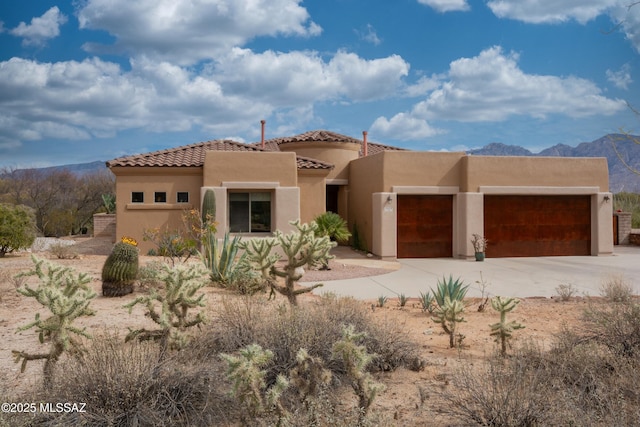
x=534 y=171
x=338 y=154
x=134 y=218
x=376 y=181
x=365 y=178
x=243 y=166
x=312 y=194
x=421 y=169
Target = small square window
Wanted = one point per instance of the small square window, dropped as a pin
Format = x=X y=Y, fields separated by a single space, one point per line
x=183 y=197
x=137 y=197
x=160 y=197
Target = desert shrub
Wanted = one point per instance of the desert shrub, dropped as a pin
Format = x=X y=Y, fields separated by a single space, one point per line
x=125 y=385
x=565 y=291
x=616 y=326
x=501 y=392
x=63 y=251
x=150 y=275
x=591 y=385
x=284 y=330
x=174 y=245
x=17 y=228
x=616 y=288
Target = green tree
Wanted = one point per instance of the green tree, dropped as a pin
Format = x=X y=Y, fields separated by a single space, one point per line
x=17 y=228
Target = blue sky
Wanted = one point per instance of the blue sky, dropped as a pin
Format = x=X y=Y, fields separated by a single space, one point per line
x=86 y=80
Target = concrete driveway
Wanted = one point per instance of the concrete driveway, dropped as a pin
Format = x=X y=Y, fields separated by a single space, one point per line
x=517 y=277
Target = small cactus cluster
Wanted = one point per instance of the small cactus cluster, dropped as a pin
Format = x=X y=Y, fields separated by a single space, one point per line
x=120 y=269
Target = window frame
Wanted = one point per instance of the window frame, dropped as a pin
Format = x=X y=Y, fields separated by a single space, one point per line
x=178 y=193
x=159 y=193
x=137 y=193
x=249 y=202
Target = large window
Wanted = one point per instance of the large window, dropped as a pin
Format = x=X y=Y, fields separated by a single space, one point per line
x=249 y=212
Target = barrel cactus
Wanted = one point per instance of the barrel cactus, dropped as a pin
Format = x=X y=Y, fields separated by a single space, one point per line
x=120 y=269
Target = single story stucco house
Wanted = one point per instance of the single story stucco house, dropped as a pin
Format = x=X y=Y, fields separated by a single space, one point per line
x=404 y=203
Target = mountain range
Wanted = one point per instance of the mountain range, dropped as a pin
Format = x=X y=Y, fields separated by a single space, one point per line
x=620 y=177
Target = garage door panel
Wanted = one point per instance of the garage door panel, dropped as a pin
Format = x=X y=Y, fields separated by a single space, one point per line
x=425 y=226
x=537 y=225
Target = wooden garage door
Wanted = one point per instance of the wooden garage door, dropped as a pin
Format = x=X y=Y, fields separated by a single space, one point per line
x=425 y=226
x=537 y=225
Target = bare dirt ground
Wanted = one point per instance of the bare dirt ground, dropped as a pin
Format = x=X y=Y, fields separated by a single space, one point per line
x=402 y=402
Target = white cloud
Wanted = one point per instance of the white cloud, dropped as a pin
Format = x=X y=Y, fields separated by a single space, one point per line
x=41 y=28
x=98 y=98
x=369 y=35
x=550 y=11
x=446 y=5
x=404 y=127
x=491 y=87
x=629 y=19
x=187 y=32
x=621 y=78
x=304 y=77
x=623 y=12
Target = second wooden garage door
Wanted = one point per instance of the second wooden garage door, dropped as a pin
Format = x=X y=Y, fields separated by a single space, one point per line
x=537 y=225
x=425 y=226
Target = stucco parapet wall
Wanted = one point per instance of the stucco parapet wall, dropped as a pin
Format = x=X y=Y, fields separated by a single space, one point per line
x=537 y=190
x=250 y=185
x=427 y=190
x=246 y=166
x=496 y=171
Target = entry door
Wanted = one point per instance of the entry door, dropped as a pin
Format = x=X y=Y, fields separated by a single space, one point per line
x=425 y=226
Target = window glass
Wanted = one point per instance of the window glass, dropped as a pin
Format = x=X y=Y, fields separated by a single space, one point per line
x=182 y=197
x=160 y=197
x=137 y=197
x=249 y=212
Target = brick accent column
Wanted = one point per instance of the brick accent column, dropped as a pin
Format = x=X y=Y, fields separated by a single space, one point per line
x=104 y=225
x=624 y=227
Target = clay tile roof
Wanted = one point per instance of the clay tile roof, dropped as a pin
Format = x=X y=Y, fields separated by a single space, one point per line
x=193 y=156
x=374 y=147
x=186 y=155
x=326 y=136
x=309 y=163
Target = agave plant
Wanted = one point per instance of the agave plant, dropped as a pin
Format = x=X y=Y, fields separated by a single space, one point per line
x=455 y=290
x=220 y=259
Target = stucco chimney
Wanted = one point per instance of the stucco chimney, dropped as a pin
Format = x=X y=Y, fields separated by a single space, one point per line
x=262 y=122
x=365 y=149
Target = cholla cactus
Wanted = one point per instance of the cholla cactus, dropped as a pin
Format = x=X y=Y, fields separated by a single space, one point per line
x=301 y=248
x=356 y=359
x=120 y=269
x=170 y=309
x=449 y=314
x=503 y=330
x=249 y=386
x=67 y=296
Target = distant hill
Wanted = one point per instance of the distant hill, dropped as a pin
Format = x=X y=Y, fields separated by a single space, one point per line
x=79 y=169
x=620 y=178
